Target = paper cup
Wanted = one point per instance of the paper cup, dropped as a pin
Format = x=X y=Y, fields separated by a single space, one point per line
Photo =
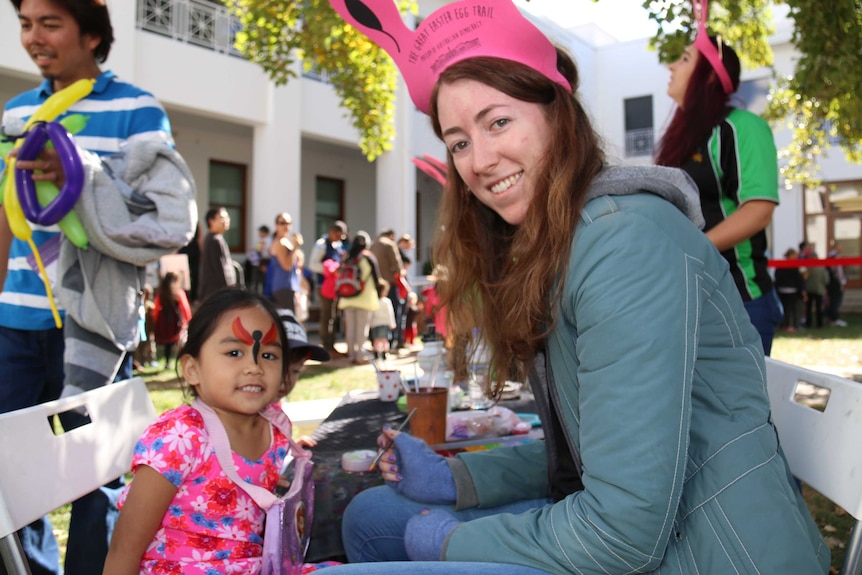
x=429 y=421
x=389 y=383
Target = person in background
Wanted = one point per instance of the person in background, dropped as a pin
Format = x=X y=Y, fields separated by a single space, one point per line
x=328 y=248
x=659 y=455
x=730 y=153
x=357 y=310
x=382 y=322
x=299 y=351
x=816 y=282
x=217 y=269
x=790 y=286
x=406 y=243
x=391 y=269
x=257 y=259
x=835 y=289
x=145 y=355
x=411 y=318
x=68 y=41
x=303 y=296
x=172 y=314
x=193 y=252
x=282 y=275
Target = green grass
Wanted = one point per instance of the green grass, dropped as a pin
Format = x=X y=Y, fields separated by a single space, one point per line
x=830 y=347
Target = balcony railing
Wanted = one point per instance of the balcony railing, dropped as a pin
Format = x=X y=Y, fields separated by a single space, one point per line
x=198 y=22
x=639 y=142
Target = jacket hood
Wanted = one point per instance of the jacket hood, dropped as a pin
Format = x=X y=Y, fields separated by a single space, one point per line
x=672 y=184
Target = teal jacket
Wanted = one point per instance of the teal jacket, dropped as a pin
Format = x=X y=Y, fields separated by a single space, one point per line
x=660 y=382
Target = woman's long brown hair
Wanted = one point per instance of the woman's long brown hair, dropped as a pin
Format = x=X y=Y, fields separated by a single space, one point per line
x=504 y=279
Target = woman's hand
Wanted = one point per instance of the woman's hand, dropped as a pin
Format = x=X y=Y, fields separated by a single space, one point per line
x=412 y=469
x=388 y=465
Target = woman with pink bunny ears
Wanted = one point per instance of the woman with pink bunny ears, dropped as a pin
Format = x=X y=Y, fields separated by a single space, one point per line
x=730 y=154
x=596 y=282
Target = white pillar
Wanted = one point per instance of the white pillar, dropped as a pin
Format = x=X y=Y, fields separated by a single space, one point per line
x=396 y=175
x=274 y=185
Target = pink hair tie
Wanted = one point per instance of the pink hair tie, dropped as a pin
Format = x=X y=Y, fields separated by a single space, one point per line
x=708 y=50
x=455 y=32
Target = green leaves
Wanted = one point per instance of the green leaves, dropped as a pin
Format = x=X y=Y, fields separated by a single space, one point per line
x=818 y=102
x=278 y=32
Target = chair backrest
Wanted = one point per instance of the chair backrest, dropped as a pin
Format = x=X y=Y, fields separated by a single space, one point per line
x=822 y=447
x=41 y=471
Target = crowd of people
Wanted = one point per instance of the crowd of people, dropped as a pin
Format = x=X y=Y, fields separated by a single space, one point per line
x=810 y=295
x=567 y=266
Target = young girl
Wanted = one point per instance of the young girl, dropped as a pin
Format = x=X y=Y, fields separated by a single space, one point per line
x=412 y=317
x=382 y=321
x=145 y=354
x=181 y=514
x=171 y=315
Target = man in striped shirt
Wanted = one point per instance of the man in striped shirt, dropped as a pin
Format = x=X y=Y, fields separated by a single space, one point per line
x=67 y=40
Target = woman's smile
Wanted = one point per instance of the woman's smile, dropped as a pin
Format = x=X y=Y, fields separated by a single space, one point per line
x=498 y=144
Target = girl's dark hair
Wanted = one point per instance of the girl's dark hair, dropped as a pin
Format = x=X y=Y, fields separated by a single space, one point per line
x=703 y=107
x=165 y=292
x=92 y=18
x=211 y=310
x=501 y=278
x=358 y=244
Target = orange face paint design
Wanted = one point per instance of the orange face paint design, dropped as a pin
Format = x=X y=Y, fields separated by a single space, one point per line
x=255 y=338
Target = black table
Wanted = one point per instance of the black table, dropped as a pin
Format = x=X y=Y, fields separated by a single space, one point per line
x=354 y=424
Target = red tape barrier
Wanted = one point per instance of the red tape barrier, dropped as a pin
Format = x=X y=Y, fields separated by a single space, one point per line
x=812 y=263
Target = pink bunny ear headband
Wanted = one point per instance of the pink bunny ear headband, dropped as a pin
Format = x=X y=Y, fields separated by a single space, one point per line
x=707 y=49
x=455 y=32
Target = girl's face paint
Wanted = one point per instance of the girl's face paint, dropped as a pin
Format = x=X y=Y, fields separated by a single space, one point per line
x=240 y=365
x=255 y=338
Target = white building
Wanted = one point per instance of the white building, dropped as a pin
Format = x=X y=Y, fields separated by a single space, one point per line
x=259 y=149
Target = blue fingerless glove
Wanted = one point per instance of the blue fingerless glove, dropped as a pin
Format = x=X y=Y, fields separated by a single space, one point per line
x=425 y=475
x=426 y=533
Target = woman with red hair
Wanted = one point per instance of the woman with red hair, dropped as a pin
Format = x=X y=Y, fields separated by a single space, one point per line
x=730 y=153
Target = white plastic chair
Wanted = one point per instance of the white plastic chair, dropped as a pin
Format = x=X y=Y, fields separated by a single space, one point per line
x=822 y=447
x=41 y=471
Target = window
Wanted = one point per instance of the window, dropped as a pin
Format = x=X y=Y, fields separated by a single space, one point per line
x=328 y=204
x=228 y=189
x=639 y=126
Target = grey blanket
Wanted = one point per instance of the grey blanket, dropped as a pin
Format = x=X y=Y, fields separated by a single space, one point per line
x=136 y=207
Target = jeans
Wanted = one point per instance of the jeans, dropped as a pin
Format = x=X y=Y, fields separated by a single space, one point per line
x=373 y=531
x=328 y=314
x=31 y=372
x=397 y=338
x=765 y=313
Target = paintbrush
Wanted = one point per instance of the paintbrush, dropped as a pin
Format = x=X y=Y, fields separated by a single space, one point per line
x=390 y=442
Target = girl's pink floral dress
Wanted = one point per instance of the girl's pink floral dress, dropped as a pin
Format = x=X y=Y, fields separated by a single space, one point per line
x=211 y=527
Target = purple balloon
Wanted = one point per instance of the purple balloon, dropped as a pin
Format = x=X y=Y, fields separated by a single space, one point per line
x=73 y=169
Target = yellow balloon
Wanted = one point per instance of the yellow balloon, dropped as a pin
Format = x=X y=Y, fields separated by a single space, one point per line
x=60 y=101
x=55 y=105
x=17 y=222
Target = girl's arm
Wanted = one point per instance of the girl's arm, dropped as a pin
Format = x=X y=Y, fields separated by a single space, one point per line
x=282 y=250
x=751 y=217
x=149 y=496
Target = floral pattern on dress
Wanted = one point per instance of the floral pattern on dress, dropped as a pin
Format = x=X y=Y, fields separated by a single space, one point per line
x=212 y=526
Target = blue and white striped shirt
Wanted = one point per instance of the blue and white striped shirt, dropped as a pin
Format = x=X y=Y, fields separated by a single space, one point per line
x=117 y=112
